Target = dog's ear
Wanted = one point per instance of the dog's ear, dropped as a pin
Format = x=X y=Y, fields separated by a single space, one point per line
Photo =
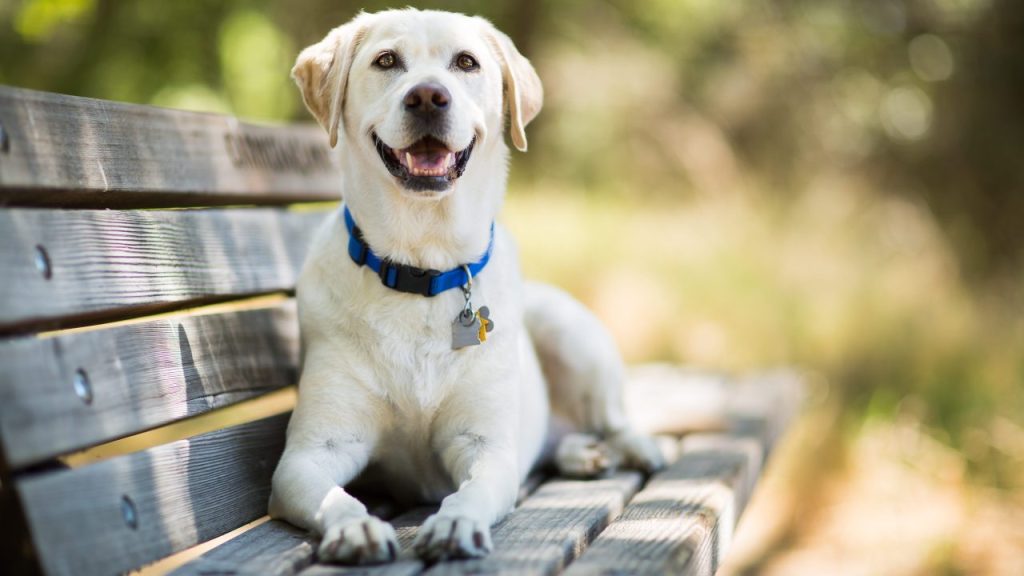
x=321 y=71
x=524 y=94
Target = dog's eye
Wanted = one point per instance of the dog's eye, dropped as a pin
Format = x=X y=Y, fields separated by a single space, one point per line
x=466 y=62
x=386 y=60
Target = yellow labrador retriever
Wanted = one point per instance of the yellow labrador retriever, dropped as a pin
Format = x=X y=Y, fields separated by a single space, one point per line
x=428 y=363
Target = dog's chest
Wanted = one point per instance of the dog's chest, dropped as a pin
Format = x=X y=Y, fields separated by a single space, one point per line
x=417 y=370
x=410 y=343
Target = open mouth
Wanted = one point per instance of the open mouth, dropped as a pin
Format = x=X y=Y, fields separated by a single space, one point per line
x=428 y=164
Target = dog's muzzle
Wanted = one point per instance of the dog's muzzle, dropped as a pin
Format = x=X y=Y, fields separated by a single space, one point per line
x=428 y=164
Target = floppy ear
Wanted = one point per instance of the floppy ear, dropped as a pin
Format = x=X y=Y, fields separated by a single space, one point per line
x=321 y=71
x=524 y=94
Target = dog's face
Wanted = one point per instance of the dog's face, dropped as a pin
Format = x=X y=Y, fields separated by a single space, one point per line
x=414 y=93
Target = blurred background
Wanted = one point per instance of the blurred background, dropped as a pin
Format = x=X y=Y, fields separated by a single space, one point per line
x=835 y=185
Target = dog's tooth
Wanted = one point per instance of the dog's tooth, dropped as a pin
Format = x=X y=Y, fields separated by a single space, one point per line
x=408 y=159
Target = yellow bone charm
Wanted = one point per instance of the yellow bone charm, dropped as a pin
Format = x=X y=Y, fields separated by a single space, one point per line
x=486 y=324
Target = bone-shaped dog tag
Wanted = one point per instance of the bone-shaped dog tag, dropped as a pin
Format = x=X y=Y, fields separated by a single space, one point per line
x=483 y=315
x=465 y=330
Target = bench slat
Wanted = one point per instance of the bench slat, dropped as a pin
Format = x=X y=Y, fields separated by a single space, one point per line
x=78 y=152
x=547 y=531
x=138 y=376
x=105 y=264
x=552 y=527
x=273 y=548
x=683 y=520
x=400 y=568
x=123 y=513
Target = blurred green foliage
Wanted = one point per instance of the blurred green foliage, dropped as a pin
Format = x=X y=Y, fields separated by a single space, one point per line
x=832 y=183
x=919 y=97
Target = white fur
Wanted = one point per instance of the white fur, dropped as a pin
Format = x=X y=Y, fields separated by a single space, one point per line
x=381 y=387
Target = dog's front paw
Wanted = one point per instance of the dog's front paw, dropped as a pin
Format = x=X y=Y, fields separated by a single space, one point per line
x=583 y=456
x=442 y=537
x=639 y=451
x=361 y=541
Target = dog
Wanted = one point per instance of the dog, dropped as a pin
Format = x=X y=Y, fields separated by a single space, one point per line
x=429 y=365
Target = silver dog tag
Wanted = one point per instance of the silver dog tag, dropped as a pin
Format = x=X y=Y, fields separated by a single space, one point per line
x=465 y=330
x=471 y=328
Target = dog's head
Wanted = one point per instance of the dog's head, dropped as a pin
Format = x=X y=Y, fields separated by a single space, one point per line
x=419 y=91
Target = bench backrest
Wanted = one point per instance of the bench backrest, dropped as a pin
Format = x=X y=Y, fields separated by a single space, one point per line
x=118 y=316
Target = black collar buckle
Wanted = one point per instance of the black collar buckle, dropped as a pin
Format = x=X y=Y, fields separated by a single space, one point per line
x=409 y=279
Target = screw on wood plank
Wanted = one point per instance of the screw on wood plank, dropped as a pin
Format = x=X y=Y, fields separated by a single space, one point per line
x=131 y=518
x=5 y=141
x=83 y=388
x=43 y=262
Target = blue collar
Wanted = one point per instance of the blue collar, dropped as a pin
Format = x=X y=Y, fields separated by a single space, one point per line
x=411 y=279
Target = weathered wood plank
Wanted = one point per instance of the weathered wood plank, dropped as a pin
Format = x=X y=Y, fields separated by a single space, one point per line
x=69 y=151
x=71 y=391
x=719 y=474
x=546 y=532
x=106 y=264
x=125 y=512
x=399 y=568
x=273 y=548
x=551 y=528
x=402 y=567
x=278 y=549
x=683 y=520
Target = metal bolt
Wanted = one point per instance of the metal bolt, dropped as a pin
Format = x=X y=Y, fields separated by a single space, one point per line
x=43 y=262
x=131 y=518
x=5 y=141
x=83 y=388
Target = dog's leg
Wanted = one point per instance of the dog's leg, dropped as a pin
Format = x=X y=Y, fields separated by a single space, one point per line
x=476 y=442
x=585 y=375
x=329 y=444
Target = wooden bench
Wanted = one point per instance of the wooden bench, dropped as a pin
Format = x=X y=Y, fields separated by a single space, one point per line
x=149 y=357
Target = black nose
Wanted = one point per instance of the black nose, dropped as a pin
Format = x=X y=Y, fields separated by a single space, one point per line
x=427 y=98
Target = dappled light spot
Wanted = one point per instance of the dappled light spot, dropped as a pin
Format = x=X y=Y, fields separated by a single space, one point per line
x=906 y=113
x=931 y=58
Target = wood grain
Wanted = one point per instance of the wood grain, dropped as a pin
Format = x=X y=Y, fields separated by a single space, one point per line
x=546 y=532
x=683 y=520
x=278 y=549
x=110 y=264
x=181 y=493
x=402 y=567
x=273 y=548
x=551 y=528
x=78 y=152
x=718 y=475
x=71 y=391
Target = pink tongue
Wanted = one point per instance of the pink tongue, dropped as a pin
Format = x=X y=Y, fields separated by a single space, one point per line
x=428 y=160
